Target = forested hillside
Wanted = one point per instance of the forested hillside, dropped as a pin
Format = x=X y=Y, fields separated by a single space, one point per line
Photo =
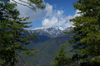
x=47 y=51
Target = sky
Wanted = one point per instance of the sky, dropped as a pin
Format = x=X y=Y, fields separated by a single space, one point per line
x=56 y=14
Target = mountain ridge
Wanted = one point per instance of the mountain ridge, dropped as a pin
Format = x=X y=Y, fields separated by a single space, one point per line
x=47 y=51
x=47 y=46
x=49 y=31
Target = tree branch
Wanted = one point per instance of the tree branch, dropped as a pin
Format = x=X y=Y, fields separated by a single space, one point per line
x=32 y=7
x=23 y=60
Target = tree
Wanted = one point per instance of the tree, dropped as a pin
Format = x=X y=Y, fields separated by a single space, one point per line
x=13 y=39
x=33 y=4
x=86 y=39
x=61 y=59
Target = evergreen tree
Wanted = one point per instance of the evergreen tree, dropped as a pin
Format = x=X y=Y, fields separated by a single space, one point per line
x=13 y=39
x=61 y=59
x=33 y=4
x=86 y=39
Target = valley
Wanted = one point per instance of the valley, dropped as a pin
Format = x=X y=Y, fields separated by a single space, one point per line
x=47 y=47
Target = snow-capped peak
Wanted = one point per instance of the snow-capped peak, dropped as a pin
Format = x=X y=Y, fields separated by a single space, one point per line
x=42 y=28
x=39 y=28
x=49 y=31
x=60 y=28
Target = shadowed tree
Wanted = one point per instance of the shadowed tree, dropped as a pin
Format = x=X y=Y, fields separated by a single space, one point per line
x=86 y=39
x=13 y=39
x=61 y=59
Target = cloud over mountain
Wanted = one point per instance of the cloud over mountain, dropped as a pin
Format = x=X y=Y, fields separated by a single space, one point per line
x=56 y=18
x=51 y=16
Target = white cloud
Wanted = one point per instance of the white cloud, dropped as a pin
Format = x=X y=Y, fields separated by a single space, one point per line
x=60 y=13
x=56 y=18
x=51 y=22
x=48 y=9
x=52 y=18
x=69 y=24
x=28 y=12
x=76 y=14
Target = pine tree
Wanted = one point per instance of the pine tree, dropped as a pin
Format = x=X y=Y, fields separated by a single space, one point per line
x=86 y=30
x=61 y=59
x=32 y=4
x=13 y=39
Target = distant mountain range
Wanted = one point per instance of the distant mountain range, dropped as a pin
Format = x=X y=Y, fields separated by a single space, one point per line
x=49 y=31
x=48 y=45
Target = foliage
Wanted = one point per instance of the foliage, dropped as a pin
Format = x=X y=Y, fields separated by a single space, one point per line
x=13 y=39
x=61 y=59
x=33 y=4
x=86 y=39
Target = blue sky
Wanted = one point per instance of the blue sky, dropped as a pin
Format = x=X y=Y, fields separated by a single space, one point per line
x=56 y=14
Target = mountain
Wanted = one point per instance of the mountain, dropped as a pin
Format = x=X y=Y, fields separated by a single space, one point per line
x=47 y=51
x=48 y=45
x=46 y=33
x=49 y=31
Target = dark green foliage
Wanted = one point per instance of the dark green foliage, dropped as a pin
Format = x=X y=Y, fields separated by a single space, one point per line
x=13 y=39
x=39 y=3
x=89 y=64
x=61 y=59
x=86 y=39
